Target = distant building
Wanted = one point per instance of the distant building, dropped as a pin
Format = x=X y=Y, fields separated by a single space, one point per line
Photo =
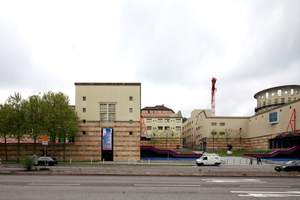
x=269 y=128
x=160 y=120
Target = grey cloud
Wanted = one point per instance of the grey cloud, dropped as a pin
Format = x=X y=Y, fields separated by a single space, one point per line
x=169 y=44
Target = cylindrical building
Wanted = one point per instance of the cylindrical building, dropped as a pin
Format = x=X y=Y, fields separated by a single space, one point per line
x=272 y=97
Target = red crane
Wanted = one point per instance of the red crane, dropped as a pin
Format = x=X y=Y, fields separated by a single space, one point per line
x=213 y=96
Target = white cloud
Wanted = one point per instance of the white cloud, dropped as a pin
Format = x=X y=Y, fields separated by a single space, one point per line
x=173 y=48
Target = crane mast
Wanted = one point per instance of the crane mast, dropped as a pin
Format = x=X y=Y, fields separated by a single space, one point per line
x=213 y=88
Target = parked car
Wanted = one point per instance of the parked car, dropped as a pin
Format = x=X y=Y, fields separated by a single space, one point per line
x=209 y=159
x=293 y=165
x=55 y=161
x=48 y=160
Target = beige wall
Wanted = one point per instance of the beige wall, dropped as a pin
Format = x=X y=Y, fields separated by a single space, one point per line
x=256 y=129
x=258 y=124
x=201 y=125
x=96 y=93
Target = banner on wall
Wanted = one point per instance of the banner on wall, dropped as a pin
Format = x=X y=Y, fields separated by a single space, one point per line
x=107 y=139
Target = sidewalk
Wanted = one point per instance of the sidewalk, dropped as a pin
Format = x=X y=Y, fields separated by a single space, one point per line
x=123 y=170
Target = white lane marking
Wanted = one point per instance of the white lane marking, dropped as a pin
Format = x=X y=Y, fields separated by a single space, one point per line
x=233 y=181
x=52 y=184
x=264 y=186
x=267 y=194
x=159 y=185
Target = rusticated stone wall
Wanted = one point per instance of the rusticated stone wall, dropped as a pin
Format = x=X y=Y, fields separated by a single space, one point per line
x=87 y=144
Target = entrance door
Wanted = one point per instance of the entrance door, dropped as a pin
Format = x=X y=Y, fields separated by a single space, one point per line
x=107 y=144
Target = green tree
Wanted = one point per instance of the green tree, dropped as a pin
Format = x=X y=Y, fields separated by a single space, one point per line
x=59 y=120
x=18 y=121
x=70 y=127
x=5 y=125
x=35 y=117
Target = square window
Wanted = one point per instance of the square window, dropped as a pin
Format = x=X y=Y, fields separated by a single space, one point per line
x=130 y=98
x=214 y=124
x=83 y=109
x=130 y=121
x=149 y=127
x=130 y=133
x=131 y=110
x=83 y=132
x=222 y=124
x=160 y=120
x=178 y=120
x=83 y=98
x=273 y=117
x=160 y=128
x=84 y=121
x=167 y=120
x=149 y=120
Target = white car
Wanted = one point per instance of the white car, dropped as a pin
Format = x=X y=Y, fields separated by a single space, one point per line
x=209 y=159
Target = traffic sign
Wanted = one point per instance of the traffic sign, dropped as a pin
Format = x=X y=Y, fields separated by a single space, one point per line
x=44 y=142
x=45 y=138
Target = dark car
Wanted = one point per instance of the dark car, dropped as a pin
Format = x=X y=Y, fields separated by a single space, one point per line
x=55 y=161
x=48 y=160
x=293 y=165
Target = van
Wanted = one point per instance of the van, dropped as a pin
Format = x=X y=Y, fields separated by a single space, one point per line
x=209 y=159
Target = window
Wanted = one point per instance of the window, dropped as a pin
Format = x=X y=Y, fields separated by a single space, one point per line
x=160 y=120
x=222 y=133
x=130 y=98
x=149 y=127
x=162 y=112
x=214 y=124
x=167 y=120
x=84 y=121
x=273 y=117
x=107 y=114
x=130 y=121
x=160 y=128
x=178 y=120
x=213 y=133
x=83 y=132
x=149 y=120
x=83 y=98
x=178 y=128
x=167 y=127
x=130 y=133
x=222 y=124
x=83 y=109
x=131 y=110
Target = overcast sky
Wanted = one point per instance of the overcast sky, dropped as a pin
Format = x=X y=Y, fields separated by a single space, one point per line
x=173 y=48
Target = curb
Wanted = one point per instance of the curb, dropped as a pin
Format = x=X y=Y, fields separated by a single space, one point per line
x=153 y=173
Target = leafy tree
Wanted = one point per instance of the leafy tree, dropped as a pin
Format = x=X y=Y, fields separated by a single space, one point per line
x=70 y=126
x=5 y=125
x=214 y=135
x=17 y=120
x=35 y=117
x=59 y=120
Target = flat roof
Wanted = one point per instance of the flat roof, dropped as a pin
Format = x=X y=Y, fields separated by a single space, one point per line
x=119 y=84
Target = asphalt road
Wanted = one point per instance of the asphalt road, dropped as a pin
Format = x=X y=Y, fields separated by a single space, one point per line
x=221 y=168
x=128 y=187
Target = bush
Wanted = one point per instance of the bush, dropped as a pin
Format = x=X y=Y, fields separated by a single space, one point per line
x=27 y=162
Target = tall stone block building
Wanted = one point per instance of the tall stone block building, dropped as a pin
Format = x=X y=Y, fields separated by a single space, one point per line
x=110 y=114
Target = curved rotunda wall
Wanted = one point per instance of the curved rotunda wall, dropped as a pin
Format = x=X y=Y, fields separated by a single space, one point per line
x=270 y=98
